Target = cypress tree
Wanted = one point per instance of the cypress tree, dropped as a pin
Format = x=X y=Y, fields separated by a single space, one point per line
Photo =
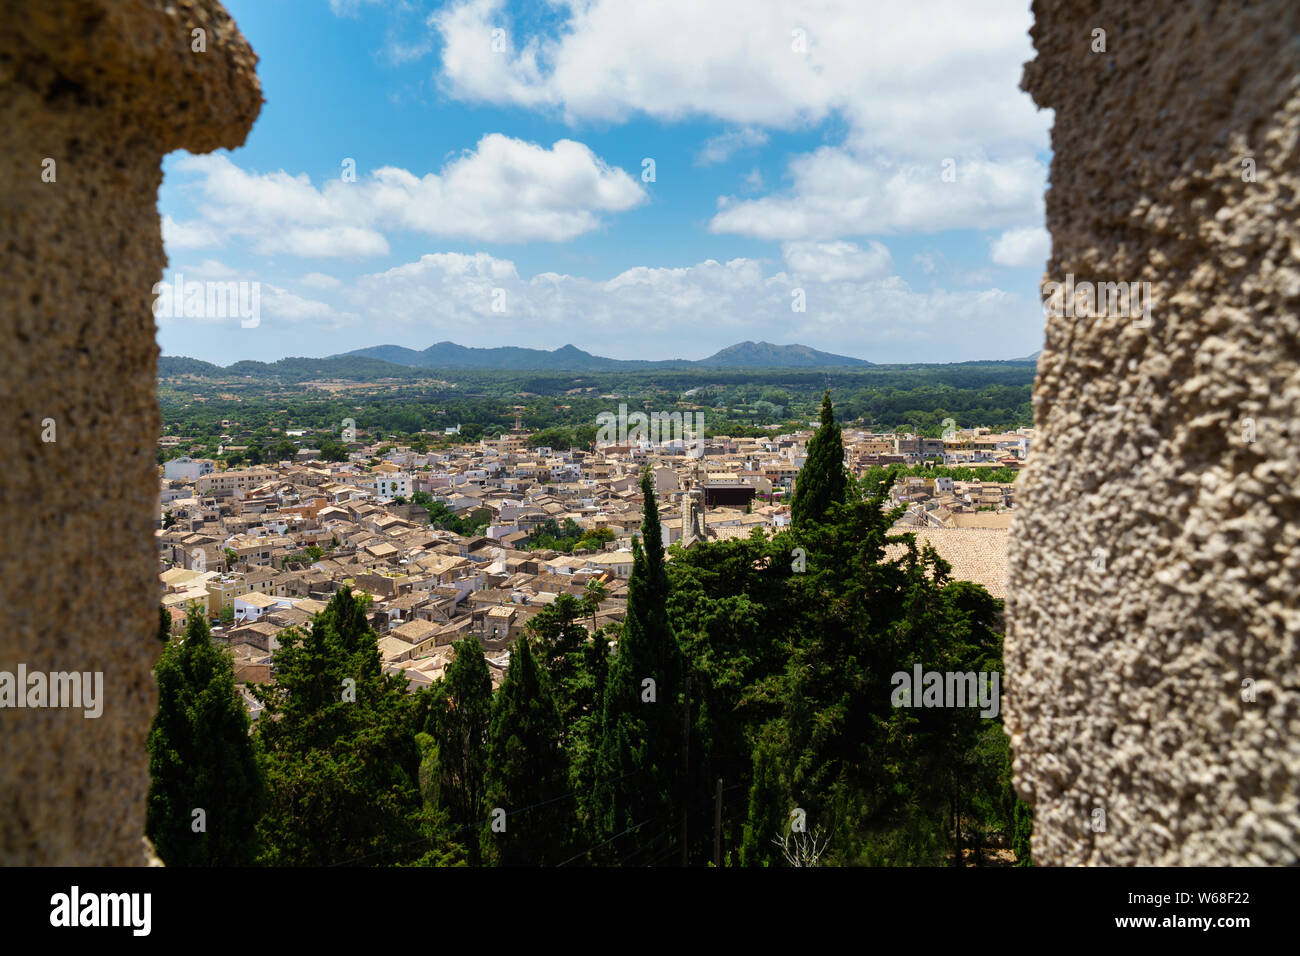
x=459 y=726
x=201 y=758
x=440 y=837
x=639 y=764
x=526 y=768
x=596 y=664
x=559 y=643
x=766 y=819
x=586 y=734
x=822 y=480
x=1024 y=831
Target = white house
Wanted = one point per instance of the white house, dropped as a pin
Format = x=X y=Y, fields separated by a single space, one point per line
x=391 y=486
x=255 y=605
x=186 y=468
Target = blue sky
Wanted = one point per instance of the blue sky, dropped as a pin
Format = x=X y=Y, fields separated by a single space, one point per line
x=878 y=165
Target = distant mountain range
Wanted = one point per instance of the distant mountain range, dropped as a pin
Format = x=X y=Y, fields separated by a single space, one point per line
x=393 y=362
x=569 y=358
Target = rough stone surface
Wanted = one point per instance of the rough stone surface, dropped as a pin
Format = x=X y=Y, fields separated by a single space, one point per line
x=104 y=88
x=1155 y=558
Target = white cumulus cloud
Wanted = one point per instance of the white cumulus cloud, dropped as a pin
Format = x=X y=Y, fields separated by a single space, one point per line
x=718 y=149
x=1022 y=247
x=837 y=261
x=836 y=194
x=694 y=310
x=938 y=75
x=505 y=190
x=318 y=280
x=188 y=235
x=912 y=84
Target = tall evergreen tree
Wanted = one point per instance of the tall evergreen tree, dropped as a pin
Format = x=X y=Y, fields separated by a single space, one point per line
x=559 y=641
x=459 y=725
x=339 y=741
x=822 y=480
x=767 y=810
x=731 y=605
x=584 y=739
x=576 y=664
x=596 y=663
x=1022 y=834
x=206 y=787
x=639 y=766
x=442 y=846
x=887 y=784
x=527 y=771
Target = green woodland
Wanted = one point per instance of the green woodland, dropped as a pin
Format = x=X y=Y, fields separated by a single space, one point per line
x=560 y=409
x=754 y=675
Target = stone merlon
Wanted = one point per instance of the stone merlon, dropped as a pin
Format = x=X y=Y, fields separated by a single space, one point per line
x=1153 y=666
x=93 y=93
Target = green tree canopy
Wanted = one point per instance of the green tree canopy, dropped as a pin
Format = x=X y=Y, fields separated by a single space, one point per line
x=206 y=786
x=640 y=759
x=459 y=722
x=339 y=738
x=527 y=771
x=822 y=480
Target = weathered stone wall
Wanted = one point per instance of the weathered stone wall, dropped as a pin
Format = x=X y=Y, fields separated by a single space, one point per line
x=1155 y=561
x=103 y=88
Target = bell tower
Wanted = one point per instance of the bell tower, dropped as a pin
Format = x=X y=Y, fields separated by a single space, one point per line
x=693 y=510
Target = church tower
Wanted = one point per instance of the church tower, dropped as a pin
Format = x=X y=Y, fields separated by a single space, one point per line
x=693 y=510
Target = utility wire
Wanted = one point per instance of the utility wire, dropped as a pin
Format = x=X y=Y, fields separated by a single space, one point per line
x=630 y=829
x=638 y=857
x=649 y=849
x=671 y=851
